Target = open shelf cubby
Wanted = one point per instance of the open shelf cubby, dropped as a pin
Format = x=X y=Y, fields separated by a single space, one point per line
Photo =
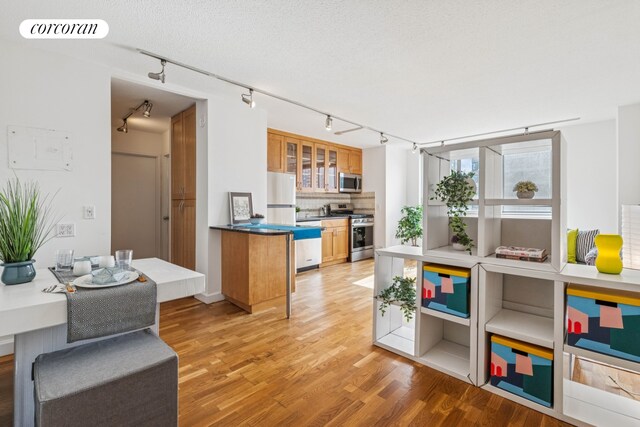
x=391 y=330
x=496 y=217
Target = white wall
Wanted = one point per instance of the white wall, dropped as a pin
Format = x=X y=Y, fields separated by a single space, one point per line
x=396 y=185
x=238 y=151
x=413 y=192
x=592 y=176
x=373 y=180
x=629 y=154
x=43 y=90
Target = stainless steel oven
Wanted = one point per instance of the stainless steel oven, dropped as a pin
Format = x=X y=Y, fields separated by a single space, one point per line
x=361 y=238
x=350 y=183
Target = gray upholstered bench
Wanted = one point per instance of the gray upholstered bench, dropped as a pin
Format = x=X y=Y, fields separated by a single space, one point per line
x=127 y=380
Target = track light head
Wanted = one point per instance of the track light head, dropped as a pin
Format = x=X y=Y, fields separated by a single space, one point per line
x=327 y=123
x=383 y=139
x=147 y=109
x=159 y=76
x=248 y=99
x=124 y=128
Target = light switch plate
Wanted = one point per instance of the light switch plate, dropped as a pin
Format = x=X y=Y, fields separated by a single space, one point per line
x=65 y=230
x=89 y=212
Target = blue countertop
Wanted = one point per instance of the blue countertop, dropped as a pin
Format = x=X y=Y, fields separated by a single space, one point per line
x=299 y=232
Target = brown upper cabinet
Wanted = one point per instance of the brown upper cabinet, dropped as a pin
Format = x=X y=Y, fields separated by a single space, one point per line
x=316 y=163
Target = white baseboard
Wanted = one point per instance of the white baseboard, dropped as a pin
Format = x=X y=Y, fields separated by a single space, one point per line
x=210 y=298
x=6 y=346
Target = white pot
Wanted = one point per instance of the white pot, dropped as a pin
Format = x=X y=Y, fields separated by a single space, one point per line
x=459 y=247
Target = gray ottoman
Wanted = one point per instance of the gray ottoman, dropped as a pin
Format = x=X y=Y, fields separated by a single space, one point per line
x=128 y=380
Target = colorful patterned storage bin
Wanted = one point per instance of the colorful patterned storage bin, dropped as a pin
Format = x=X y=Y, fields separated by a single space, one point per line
x=446 y=289
x=604 y=321
x=523 y=369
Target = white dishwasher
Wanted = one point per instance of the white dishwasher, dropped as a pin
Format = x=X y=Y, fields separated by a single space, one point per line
x=308 y=251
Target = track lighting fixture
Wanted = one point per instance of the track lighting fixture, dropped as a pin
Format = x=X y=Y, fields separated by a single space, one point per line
x=147 y=109
x=415 y=148
x=248 y=99
x=124 y=127
x=383 y=139
x=161 y=75
x=327 y=123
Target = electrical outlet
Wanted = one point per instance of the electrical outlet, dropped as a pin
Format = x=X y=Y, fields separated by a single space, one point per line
x=89 y=212
x=66 y=230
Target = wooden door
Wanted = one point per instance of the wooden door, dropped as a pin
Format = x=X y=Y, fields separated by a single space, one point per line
x=355 y=162
x=327 y=244
x=189 y=146
x=189 y=230
x=341 y=243
x=343 y=161
x=177 y=158
x=177 y=232
x=332 y=170
x=321 y=167
x=275 y=153
x=306 y=166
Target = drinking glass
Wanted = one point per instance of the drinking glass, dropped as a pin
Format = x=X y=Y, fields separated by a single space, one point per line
x=64 y=259
x=123 y=258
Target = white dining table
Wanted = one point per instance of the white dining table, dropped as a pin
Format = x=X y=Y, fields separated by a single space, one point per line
x=38 y=320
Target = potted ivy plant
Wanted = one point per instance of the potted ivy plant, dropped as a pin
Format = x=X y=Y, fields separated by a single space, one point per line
x=410 y=225
x=525 y=189
x=456 y=191
x=402 y=292
x=26 y=223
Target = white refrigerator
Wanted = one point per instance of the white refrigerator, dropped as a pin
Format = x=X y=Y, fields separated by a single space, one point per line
x=281 y=198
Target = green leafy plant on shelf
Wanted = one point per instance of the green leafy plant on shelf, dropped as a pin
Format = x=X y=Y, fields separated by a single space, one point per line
x=524 y=186
x=403 y=292
x=410 y=225
x=456 y=191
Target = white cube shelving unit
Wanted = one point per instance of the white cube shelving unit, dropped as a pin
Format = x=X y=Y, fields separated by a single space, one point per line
x=491 y=228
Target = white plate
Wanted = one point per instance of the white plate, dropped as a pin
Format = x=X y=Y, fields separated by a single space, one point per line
x=85 y=281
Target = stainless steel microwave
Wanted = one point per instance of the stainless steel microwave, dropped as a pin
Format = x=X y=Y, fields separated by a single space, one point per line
x=350 y=183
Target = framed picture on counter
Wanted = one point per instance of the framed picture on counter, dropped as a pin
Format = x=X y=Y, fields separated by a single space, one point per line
x=241 y=207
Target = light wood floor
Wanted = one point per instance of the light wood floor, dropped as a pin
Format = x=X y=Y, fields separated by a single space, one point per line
x=319 y=368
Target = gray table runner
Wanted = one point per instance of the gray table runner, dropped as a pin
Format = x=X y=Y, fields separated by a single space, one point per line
x=93 y=313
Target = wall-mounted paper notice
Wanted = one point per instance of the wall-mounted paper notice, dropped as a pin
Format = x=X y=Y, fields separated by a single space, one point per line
x=42 y=149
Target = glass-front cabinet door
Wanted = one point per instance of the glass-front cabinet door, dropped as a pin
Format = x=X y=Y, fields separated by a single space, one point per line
x=321 y=167
x=306 y=166
x=291 y=156
x=332 y=171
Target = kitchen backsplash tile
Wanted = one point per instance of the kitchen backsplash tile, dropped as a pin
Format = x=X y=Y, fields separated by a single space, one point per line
x=311 y=203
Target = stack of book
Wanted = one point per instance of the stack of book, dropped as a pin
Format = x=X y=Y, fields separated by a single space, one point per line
x=521 y=254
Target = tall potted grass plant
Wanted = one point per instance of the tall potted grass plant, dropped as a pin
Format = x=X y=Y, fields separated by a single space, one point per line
x=26 y=223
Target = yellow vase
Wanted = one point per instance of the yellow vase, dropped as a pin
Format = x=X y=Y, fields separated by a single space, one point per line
x=608 y=259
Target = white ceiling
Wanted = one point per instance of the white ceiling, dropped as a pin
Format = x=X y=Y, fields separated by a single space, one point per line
x=425 y=70
x=125 y=96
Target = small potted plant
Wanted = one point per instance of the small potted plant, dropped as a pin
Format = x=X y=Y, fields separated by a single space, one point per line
x=402 y=292
x=26 y=224
x=456 y=191
x=525 y=189
x=410 y=225
x=298 y=216
x=256 y=218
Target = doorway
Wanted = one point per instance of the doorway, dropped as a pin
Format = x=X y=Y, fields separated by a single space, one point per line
x=141 y=167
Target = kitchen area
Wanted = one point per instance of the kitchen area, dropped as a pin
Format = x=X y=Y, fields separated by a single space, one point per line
x=327 y=193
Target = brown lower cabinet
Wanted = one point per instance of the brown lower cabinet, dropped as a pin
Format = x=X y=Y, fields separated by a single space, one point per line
x=254 y=269
x=183 y=233
x=335 y=241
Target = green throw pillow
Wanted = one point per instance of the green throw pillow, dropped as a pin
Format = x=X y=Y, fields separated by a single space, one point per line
x=572 y=238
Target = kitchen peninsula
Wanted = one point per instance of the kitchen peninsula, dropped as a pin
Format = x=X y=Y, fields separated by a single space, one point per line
x=258 y=263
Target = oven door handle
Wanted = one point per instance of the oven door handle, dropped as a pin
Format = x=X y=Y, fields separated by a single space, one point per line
x=361 y=225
